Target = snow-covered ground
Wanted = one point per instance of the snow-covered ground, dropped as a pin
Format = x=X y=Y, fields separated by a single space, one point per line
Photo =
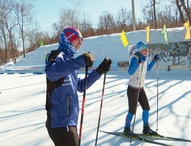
x=22 y=101
x=23 y=114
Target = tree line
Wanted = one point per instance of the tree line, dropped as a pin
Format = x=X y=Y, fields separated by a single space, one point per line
x=19 y=33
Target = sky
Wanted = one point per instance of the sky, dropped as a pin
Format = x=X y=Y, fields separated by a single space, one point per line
x=47 y=12
x=23 y=94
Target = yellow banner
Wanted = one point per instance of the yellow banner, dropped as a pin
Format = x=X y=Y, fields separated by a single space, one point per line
x=148 y=34
x=187 y=26
x=124 y=39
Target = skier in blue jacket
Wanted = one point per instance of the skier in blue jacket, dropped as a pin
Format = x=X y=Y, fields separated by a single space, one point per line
x=62 y=103
x=135 y=90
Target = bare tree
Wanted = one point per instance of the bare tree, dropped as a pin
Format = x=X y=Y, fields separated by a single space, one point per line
x=68 y=18
x=35 y=38
x=154 y=12
x=169 y=16
x=4 y=41
x=123 y=19
x=150 y=14
x=106 y=23
x=23 y=17
x=184 y=10
x=56 y=30
x=8 y=23
x=76 y=6
x=86 y=26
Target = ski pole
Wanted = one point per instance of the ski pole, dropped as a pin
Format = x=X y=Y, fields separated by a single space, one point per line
x=137 y=102
x=101 y=103
x=158 y=53
x=157 y=97
x=83 y=103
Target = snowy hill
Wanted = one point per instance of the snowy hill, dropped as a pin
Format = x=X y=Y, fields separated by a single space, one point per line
x=107 y=46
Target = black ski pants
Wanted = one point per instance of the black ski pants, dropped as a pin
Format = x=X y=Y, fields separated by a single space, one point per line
x=63 y=136
x=132 y=95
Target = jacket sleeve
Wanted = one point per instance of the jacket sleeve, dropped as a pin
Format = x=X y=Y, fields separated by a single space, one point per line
x=91 y=79
x=62 y=67
x=134 y=64
x=150 y=66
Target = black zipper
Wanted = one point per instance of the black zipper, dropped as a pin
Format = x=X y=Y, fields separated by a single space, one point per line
x=68 y=106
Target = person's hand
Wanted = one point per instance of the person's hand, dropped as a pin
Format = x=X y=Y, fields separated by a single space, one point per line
x=156 y=57
x=104 y=67
x=88 y=58
x=142 y=59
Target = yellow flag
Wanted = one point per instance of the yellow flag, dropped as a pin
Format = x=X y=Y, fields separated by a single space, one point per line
x=187 y=26
x=148 y=34
x=124 y=39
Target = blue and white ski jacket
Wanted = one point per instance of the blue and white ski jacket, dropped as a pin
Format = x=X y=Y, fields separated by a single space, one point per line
x=62 y=103
x=137 y=71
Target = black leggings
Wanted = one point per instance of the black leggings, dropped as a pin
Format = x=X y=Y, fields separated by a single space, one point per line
x=132 y=95
x=63 y=136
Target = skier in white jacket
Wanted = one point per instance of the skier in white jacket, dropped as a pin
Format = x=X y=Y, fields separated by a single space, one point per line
x=135 y=91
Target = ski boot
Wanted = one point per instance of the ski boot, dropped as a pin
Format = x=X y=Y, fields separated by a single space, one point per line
x=127 y=131
x=148 y=131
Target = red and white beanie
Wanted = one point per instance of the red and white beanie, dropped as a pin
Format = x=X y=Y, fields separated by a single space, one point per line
x=72 y=33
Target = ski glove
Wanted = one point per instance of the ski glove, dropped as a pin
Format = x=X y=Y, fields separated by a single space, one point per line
x=141 y=57
x=88 y=58
x=156 y=57
x=104 y=66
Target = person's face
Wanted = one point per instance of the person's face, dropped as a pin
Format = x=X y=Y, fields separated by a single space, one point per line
x=77 y=43
x=144 y=51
